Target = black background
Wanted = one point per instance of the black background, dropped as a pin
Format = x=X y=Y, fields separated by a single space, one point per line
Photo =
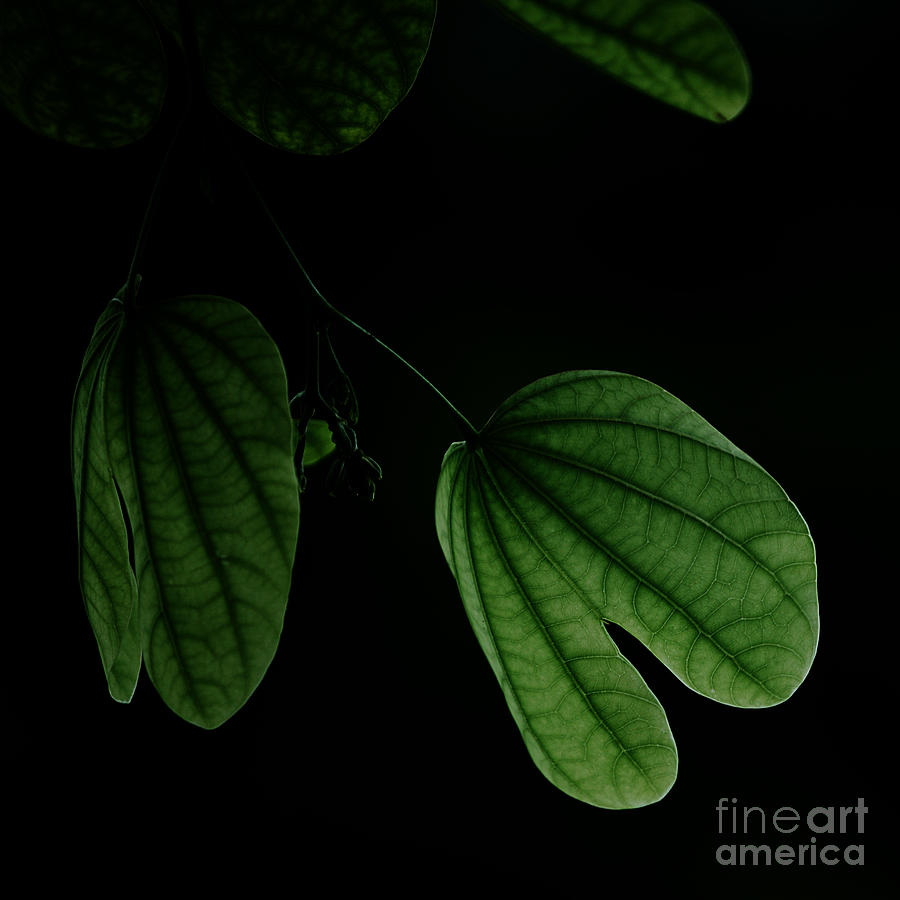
x=517 y=215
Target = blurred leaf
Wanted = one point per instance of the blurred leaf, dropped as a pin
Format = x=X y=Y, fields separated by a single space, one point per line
x=88 y=72
x=181 y=438
x=314 y=77
x=167 y=14
x=674 y=50
x=595 y=497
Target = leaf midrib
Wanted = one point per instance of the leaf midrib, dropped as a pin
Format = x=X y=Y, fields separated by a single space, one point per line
x=537 y=617
x=628 y=39
x=200 y=526
x=636 y=575
x=617 y=420
x=130 y=427
x=211 y=411
x=628 y=485
x=271 y=78
x=466 y=463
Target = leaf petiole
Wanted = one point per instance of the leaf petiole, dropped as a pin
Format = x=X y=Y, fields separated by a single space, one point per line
x=331 y=312
x=132 y=283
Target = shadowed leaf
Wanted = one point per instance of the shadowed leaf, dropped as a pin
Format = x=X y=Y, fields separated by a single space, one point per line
x=181 y=411
x=107 y=579
x=674 y=50
x=316 y=77
x=86 y=72
x=319 y=443
x=595 y=497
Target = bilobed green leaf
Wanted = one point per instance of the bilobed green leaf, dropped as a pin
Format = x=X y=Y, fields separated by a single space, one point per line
x=88 y=72
x=181 y=429
x=316 y=77
x=677 y=51
x=595 y=497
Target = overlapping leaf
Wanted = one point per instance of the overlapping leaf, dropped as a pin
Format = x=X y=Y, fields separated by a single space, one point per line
x=319 y=77
x=88 y=72
x=187 y=500
x=318 y=443
x=316 y=77
x=107 y=579
x=677 y=51
x=594 y=497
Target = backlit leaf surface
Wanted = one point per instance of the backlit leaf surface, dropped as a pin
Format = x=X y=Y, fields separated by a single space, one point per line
x=593 y=497
x=107 y=580
x=318 y=443
x=677 y=51
x=87 y=72
x=316 y=77
x=182 y=439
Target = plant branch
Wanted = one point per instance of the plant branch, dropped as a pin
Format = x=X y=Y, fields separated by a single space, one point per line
x=141 y=244
x=133 y=279
x=332 y=312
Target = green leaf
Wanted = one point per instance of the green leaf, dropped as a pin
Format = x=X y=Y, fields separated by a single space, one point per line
x=89 y=73
x=677 y=51
x=595 y=497
x=319 y=443
x=107 y=580
x=316 y=77
x=181 y=439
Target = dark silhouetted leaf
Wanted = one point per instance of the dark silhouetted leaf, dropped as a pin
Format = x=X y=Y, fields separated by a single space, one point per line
x=181 y=439
x=675 y=50
x=316 y=77
x=594 y=497
x=87 y=72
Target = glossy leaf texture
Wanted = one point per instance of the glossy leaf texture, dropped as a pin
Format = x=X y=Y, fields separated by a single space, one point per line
x=186 y=500
x=313 y=77
x=85 y=72
x=677 y=51
x=593 y=497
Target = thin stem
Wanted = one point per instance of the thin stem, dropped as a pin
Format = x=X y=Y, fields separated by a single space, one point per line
x=133 y=280
x=468 y=428
x=141 y=244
